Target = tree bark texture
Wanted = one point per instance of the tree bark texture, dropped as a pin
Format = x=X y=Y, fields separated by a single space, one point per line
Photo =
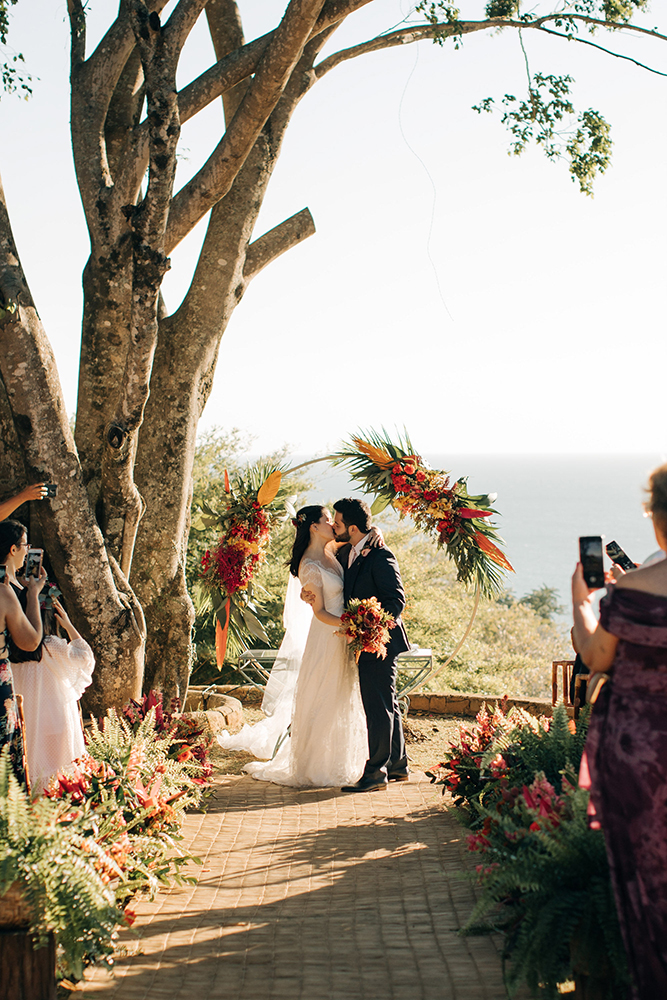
x=99 y=600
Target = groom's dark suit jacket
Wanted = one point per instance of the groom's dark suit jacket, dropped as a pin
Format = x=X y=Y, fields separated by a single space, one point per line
x=377 y=575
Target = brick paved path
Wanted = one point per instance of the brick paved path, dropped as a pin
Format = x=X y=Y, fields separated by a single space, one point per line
x=312 y=895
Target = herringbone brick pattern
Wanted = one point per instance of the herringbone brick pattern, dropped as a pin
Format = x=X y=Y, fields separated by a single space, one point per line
x=312 y=895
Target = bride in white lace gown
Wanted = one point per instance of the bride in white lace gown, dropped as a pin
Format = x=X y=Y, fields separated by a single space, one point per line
x=328 y=742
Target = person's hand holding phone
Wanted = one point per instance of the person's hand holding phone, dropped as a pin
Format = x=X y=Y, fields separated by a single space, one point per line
x=36 y=491
x=34 y=584
x=581 y=592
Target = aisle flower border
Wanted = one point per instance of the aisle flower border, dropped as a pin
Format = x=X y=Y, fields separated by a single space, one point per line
x=105 y=832
x=543 y=875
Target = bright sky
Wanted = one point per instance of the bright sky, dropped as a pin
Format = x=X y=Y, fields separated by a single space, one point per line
x=476 y=298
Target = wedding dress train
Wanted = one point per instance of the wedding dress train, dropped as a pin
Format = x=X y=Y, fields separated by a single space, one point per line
x=316 y=686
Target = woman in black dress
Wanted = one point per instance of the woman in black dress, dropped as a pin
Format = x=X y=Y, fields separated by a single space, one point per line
x=26 y=632
x=626 y=749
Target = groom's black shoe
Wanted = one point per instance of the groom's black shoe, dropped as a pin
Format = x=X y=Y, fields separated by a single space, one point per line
x=366 y=785
x=399 y=775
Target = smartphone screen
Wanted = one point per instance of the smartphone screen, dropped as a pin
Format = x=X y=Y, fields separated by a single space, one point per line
x=618 y=556
x=3 y=573
x=33 y=562
x=590 y=553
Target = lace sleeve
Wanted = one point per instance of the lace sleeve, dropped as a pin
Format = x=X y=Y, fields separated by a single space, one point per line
x=310 y=574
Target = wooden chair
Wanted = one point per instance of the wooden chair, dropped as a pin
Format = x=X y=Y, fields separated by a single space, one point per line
x=564 y=668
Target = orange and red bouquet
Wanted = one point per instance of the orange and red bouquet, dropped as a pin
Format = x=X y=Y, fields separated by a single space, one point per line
x=366 y=625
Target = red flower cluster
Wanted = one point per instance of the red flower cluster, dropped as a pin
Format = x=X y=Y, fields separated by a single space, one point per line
x=542 y=801
x=239 y=552
x=190 y=740
x=366 y=626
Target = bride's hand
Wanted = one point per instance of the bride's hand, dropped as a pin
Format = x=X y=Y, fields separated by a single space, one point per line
x=308 y=596
x=375 y=540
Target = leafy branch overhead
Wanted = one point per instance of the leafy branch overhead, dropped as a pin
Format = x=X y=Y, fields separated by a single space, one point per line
x=548 y=118
x=13 y=78
x=546 y=115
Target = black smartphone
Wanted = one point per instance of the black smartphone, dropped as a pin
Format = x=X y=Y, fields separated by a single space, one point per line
x=590 y=553
x=51 y=489
x=33 y=563
x=3 y=573
x=618 y=556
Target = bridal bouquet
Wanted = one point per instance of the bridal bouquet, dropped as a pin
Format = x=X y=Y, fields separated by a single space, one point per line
x=366 y=626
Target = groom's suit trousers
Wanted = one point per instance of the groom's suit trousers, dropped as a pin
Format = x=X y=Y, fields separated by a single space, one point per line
x=377 y=575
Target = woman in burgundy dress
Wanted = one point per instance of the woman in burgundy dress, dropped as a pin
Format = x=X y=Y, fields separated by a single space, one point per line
x=626 y=749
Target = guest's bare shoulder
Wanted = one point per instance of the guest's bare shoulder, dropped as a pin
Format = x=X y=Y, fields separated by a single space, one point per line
x=652 y=579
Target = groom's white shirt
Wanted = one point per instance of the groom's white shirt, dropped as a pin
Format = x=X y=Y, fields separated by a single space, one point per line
x=355 y=550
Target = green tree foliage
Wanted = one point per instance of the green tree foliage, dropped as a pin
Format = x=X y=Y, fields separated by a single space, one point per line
x=546 y=116
x=13 y=77
x=544 y=602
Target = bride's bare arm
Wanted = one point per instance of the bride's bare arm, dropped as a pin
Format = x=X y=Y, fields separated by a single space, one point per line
x=319 y=610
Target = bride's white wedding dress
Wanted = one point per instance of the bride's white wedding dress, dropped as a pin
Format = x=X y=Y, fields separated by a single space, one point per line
x=315 y=683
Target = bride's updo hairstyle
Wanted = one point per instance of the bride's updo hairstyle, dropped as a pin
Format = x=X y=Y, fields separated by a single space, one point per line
x=657 y=500
x=302 y=522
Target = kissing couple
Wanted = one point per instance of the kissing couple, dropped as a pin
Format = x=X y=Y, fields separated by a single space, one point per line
x=345 y=726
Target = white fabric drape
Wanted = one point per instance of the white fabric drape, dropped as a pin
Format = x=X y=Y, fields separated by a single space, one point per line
x=51 y=688
x=262 y=738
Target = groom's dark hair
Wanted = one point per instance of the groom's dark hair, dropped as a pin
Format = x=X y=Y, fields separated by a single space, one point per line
x=355 y=512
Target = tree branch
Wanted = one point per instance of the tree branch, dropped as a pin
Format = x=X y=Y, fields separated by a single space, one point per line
x=277 y=241
x=601 y=48
x=216 y=176
x=416 y=33
x=181 y=23
x=77 y=20
x=239 y=65
x=226 y=31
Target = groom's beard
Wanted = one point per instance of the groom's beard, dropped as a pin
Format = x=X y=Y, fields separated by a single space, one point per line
x=344 y=536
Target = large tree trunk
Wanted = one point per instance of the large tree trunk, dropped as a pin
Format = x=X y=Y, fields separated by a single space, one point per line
x=99 y=599
x=182 y=377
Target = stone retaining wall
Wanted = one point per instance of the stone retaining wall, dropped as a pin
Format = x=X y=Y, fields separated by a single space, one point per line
x=457 y=703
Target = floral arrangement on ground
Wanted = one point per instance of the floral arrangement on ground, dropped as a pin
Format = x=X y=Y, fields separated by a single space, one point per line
x=543 y=874
x=105 y=832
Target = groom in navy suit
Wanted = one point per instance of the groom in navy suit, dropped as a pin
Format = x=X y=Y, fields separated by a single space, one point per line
x=373 y=572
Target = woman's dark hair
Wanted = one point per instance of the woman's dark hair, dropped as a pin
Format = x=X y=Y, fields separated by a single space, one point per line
x=11 y=533
x=355 y=512
x=303 y=520
x=657 y=502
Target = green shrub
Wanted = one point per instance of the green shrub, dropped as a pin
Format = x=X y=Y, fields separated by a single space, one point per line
x=544 y=879
x=45 y=848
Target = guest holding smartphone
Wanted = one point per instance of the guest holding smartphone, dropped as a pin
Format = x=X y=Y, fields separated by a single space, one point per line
x=50 y=677
x=625 y=762
x=38 y=491
x=22 y=627
x=51 y=681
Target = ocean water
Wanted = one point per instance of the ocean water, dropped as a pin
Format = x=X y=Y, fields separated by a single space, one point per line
x=545 y=503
